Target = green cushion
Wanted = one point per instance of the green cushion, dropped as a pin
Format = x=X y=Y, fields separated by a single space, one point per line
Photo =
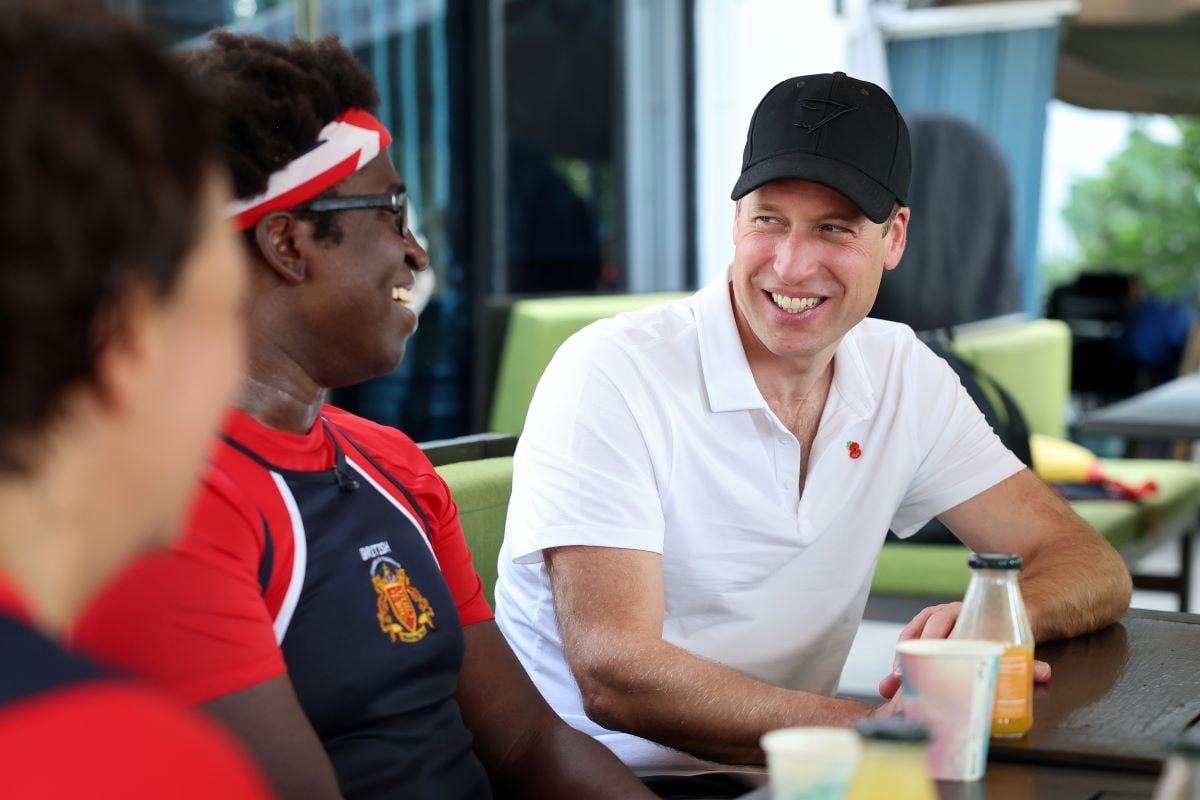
x=1117 y=521
x=535 y=330
x=922 y=570
x=1178 y=485
x=1032 y=361
x=481 y=489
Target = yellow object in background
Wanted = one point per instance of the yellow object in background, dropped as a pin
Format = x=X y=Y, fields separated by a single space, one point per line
x=1059 y=461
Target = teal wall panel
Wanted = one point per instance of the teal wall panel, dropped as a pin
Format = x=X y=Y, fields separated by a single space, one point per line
x=1002 y=81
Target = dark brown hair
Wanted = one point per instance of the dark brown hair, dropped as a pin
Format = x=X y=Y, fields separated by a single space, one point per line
x=274 y=98
x=105 y=148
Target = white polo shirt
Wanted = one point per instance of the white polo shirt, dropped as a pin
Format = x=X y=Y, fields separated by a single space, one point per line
x=648 y=432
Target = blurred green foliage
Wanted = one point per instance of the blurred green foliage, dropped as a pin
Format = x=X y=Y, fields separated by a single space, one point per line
x=1142 y=215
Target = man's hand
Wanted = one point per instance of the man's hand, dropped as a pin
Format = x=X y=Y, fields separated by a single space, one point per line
x=893 y=706
x=937 y=622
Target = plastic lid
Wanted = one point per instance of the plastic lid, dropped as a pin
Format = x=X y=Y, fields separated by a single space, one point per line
x=994 y=561
x=892 y=729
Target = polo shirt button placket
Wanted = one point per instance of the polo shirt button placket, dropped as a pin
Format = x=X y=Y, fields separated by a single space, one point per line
x=804 y=529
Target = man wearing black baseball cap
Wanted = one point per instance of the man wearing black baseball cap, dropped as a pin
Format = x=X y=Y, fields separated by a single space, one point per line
x=833 y=130
x=703 y=486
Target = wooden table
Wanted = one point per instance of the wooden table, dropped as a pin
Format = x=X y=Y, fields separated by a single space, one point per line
x=1117 y=697
x=1102 y=725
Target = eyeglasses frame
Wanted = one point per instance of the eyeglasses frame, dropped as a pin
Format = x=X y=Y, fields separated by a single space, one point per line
x=397 y=202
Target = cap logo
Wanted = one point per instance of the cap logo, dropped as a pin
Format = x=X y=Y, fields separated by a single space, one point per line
x=812 y=113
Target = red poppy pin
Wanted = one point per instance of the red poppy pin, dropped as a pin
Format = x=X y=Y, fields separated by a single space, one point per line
x=854 y=450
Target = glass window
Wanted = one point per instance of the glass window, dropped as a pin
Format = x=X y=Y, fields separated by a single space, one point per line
x=188 y=21
x=560 y=108
x=527 y=205
x=406 y=46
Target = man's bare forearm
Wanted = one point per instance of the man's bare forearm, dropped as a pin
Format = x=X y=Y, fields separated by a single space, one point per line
x=1074 y=581
x=662 y=693
x=1073 y=591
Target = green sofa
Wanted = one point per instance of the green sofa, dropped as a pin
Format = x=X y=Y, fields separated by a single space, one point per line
x=1031 y=360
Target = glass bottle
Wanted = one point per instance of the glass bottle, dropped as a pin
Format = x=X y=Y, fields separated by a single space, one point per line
x=1180 y=779
x=893 y=762
x=993 y=611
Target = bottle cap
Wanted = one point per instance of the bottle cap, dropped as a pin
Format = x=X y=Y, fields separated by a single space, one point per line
x=994 y=561
x=892 y=729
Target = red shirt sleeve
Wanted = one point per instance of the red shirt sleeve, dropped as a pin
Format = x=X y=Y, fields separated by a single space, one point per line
x=109 y=740
x=191 y=619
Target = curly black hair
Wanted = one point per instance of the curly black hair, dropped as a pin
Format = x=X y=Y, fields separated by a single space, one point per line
x=275 y=97
x=106 y=152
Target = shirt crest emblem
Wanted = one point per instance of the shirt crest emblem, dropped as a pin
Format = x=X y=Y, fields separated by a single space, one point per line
x=403 y=612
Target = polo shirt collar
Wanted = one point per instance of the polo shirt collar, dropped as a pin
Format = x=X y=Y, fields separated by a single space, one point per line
x=728 y=380
x=727 y=377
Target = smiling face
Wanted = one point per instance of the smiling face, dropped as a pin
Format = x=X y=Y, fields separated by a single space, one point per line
x=354 y=315
x=806 y=269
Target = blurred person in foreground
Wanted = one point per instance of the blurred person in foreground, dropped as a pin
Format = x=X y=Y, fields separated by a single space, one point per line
x=703 y=487
x=322 y=601
x=121 y=342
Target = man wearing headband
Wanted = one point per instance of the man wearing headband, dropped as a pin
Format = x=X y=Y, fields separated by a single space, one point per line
x=703 y=487
x=323 y=601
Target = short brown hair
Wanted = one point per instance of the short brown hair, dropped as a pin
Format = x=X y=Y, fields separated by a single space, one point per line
x=887 y=223
x=104 y=158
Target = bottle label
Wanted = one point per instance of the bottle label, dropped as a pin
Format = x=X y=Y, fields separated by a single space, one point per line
x=1014 y=684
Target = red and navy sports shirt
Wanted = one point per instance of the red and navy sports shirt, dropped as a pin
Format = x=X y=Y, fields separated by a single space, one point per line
x=69 y=730
x=203 y=617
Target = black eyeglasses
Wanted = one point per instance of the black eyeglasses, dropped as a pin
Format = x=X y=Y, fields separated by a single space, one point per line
x=396 y=202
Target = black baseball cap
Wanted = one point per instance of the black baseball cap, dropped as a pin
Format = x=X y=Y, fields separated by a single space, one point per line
x=833 y=130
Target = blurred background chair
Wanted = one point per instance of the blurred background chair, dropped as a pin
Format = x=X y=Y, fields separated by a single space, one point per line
x=958 y=266
x=1095 y=307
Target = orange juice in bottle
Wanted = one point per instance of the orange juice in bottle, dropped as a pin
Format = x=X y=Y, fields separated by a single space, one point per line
x=994 y=611
x=1012 y=715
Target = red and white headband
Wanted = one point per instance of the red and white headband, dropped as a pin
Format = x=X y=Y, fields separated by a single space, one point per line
x=343 y=147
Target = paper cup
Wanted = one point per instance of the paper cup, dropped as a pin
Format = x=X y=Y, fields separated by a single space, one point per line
x=950 y=685
x=811 y=763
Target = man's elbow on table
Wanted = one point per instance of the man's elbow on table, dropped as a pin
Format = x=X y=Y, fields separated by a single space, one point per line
x=1083 y=589
x=1120 y=587
x=603 y=672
